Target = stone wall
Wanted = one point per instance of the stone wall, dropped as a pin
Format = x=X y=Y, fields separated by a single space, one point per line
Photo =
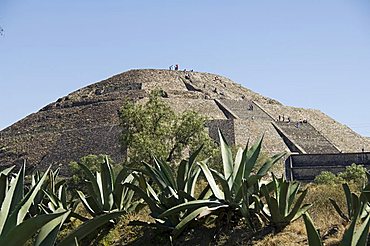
x=207 y=108
x=220 y=87
x=82 y=142
x=253 y=129
x=225 y=126
x=307 y=167
x=30 y=147
x=67 y=118
x=341 y=135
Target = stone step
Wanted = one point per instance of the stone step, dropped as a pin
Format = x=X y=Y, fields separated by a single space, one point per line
x=245 y=109
x=307 y=137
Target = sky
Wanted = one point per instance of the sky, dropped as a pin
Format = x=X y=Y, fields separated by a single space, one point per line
x=309 y=53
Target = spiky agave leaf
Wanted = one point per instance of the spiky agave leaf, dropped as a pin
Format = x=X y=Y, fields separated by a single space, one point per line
x=339 y=211
x=21 y=233
x=227 y=159
x=4 y=183
x=211 y=181
x=312 y=234
x=48 y=233
x=89 y=227
x=106 y=193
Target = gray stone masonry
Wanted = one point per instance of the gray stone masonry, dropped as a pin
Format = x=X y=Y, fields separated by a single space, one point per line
x=307 y=167
x=341 y=136
x=225 y=126
x=245 y=110
x=306 y=137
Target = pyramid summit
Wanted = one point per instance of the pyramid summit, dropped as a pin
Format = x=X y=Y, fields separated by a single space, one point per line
x=86 y=121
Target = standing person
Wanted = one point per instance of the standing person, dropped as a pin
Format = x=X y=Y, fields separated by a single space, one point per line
x=171 y=67
x=177 y=67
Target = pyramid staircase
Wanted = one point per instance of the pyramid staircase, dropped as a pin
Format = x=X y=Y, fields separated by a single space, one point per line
x=243 y=109
x=302 y=137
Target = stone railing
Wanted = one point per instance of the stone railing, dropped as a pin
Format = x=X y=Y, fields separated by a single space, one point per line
x=305 y=167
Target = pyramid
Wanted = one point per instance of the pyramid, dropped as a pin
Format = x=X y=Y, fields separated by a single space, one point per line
x=86 y=121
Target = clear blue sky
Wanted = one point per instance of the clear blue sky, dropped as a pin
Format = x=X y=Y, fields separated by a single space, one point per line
x=312 y=54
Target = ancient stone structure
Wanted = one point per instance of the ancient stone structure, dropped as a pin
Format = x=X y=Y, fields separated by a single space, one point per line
x=305 y=167
x=86 y=121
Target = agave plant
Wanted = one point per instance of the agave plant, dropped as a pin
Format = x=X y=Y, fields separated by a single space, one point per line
x=51 y=185
x=357 y=214
x=353 y=203
x=355 y=235
x=359 y=236
x=105 y=192
x=4 y=182
x=170 y=189
x=61 y=201
x=15 y=227
x=282 y=205
x=35 y=208
x=238 y=184
x=107 y=199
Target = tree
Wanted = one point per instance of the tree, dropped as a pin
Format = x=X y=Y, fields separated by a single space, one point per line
x=154 y=129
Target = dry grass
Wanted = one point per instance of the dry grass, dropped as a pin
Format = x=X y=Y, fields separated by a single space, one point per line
x=125 y=234
x=322 y=211
x=326 y=219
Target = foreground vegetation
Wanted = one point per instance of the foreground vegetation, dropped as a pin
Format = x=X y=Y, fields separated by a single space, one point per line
x=190 y=204
x=216 y=196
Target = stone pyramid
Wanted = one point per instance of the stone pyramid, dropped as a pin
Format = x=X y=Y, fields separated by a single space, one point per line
x=86 y=121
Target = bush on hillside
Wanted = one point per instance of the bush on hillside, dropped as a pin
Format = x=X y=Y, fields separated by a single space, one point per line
x=355 y=174
x=328 y=178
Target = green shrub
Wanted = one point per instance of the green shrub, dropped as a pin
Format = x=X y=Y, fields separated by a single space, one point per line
x=355 y=174
x=154 y=129
x=328 y=178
